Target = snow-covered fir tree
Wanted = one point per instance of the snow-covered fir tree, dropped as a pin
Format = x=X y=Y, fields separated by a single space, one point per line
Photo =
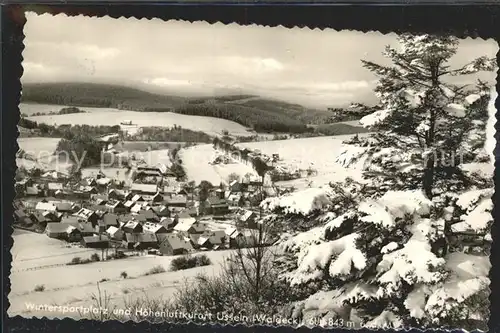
x=411 y=246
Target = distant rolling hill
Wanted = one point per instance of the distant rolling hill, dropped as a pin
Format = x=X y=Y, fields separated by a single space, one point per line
x=260 y=114
x=96 y=95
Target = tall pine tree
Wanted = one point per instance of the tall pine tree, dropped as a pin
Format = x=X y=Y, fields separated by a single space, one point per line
x=413 y=252
x=428 y=125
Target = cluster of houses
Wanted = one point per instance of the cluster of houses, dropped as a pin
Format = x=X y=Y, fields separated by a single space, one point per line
x=163 y=215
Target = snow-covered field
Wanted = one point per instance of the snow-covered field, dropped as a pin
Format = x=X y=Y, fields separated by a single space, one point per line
x=75 y=285
x=41 y=154
x=111 y=117
x=38 y=145
x=318 y=153
x=196 y=161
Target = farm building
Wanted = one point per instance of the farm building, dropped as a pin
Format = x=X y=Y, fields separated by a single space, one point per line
x=33 y=191
x=140 y=241
x=96 y=242
x=63 y=231
x=177 y=201
x=216 y=206
x=52 y=216
x=143 y=189
x=174 y=244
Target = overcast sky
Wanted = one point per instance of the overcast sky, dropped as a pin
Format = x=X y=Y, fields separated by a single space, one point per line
x=312 y=67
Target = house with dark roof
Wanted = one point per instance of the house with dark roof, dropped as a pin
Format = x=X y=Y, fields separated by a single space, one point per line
x=235 y=186
x=115 y=233
x=216 y=206
x=174 y=244
x=19 y=215
x=107 y=221
x=161 y=211
x=115 y=206
x=33 y=191
x=149 y=215
x=38 y=218
x=64 y=207
x=52 y=216
x=87 y=215
x=247 y=219
x=71 y=219
x=211 y=239
x=132 y=227
x=235 y=237
x=168 y=223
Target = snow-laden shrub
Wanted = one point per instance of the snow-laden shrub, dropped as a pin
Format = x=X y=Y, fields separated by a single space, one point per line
x=382 y=264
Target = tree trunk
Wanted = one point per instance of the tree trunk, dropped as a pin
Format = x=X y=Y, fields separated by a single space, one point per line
x=428 y=177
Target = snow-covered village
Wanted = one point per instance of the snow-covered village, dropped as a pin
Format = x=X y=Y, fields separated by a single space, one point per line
x=256 y=182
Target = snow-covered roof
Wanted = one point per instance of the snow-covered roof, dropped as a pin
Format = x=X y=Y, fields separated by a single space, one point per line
x=144 y=188
x=55 y=186
x=46 y=206
x=112 y=230
x=153 y=227
x=185 y=224
x=84 y=213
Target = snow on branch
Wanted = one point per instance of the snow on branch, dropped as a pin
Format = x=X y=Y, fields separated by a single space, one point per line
x=341 y=255
x=477 y=65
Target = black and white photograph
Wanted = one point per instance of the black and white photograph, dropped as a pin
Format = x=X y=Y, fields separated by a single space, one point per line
x=175 y=171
